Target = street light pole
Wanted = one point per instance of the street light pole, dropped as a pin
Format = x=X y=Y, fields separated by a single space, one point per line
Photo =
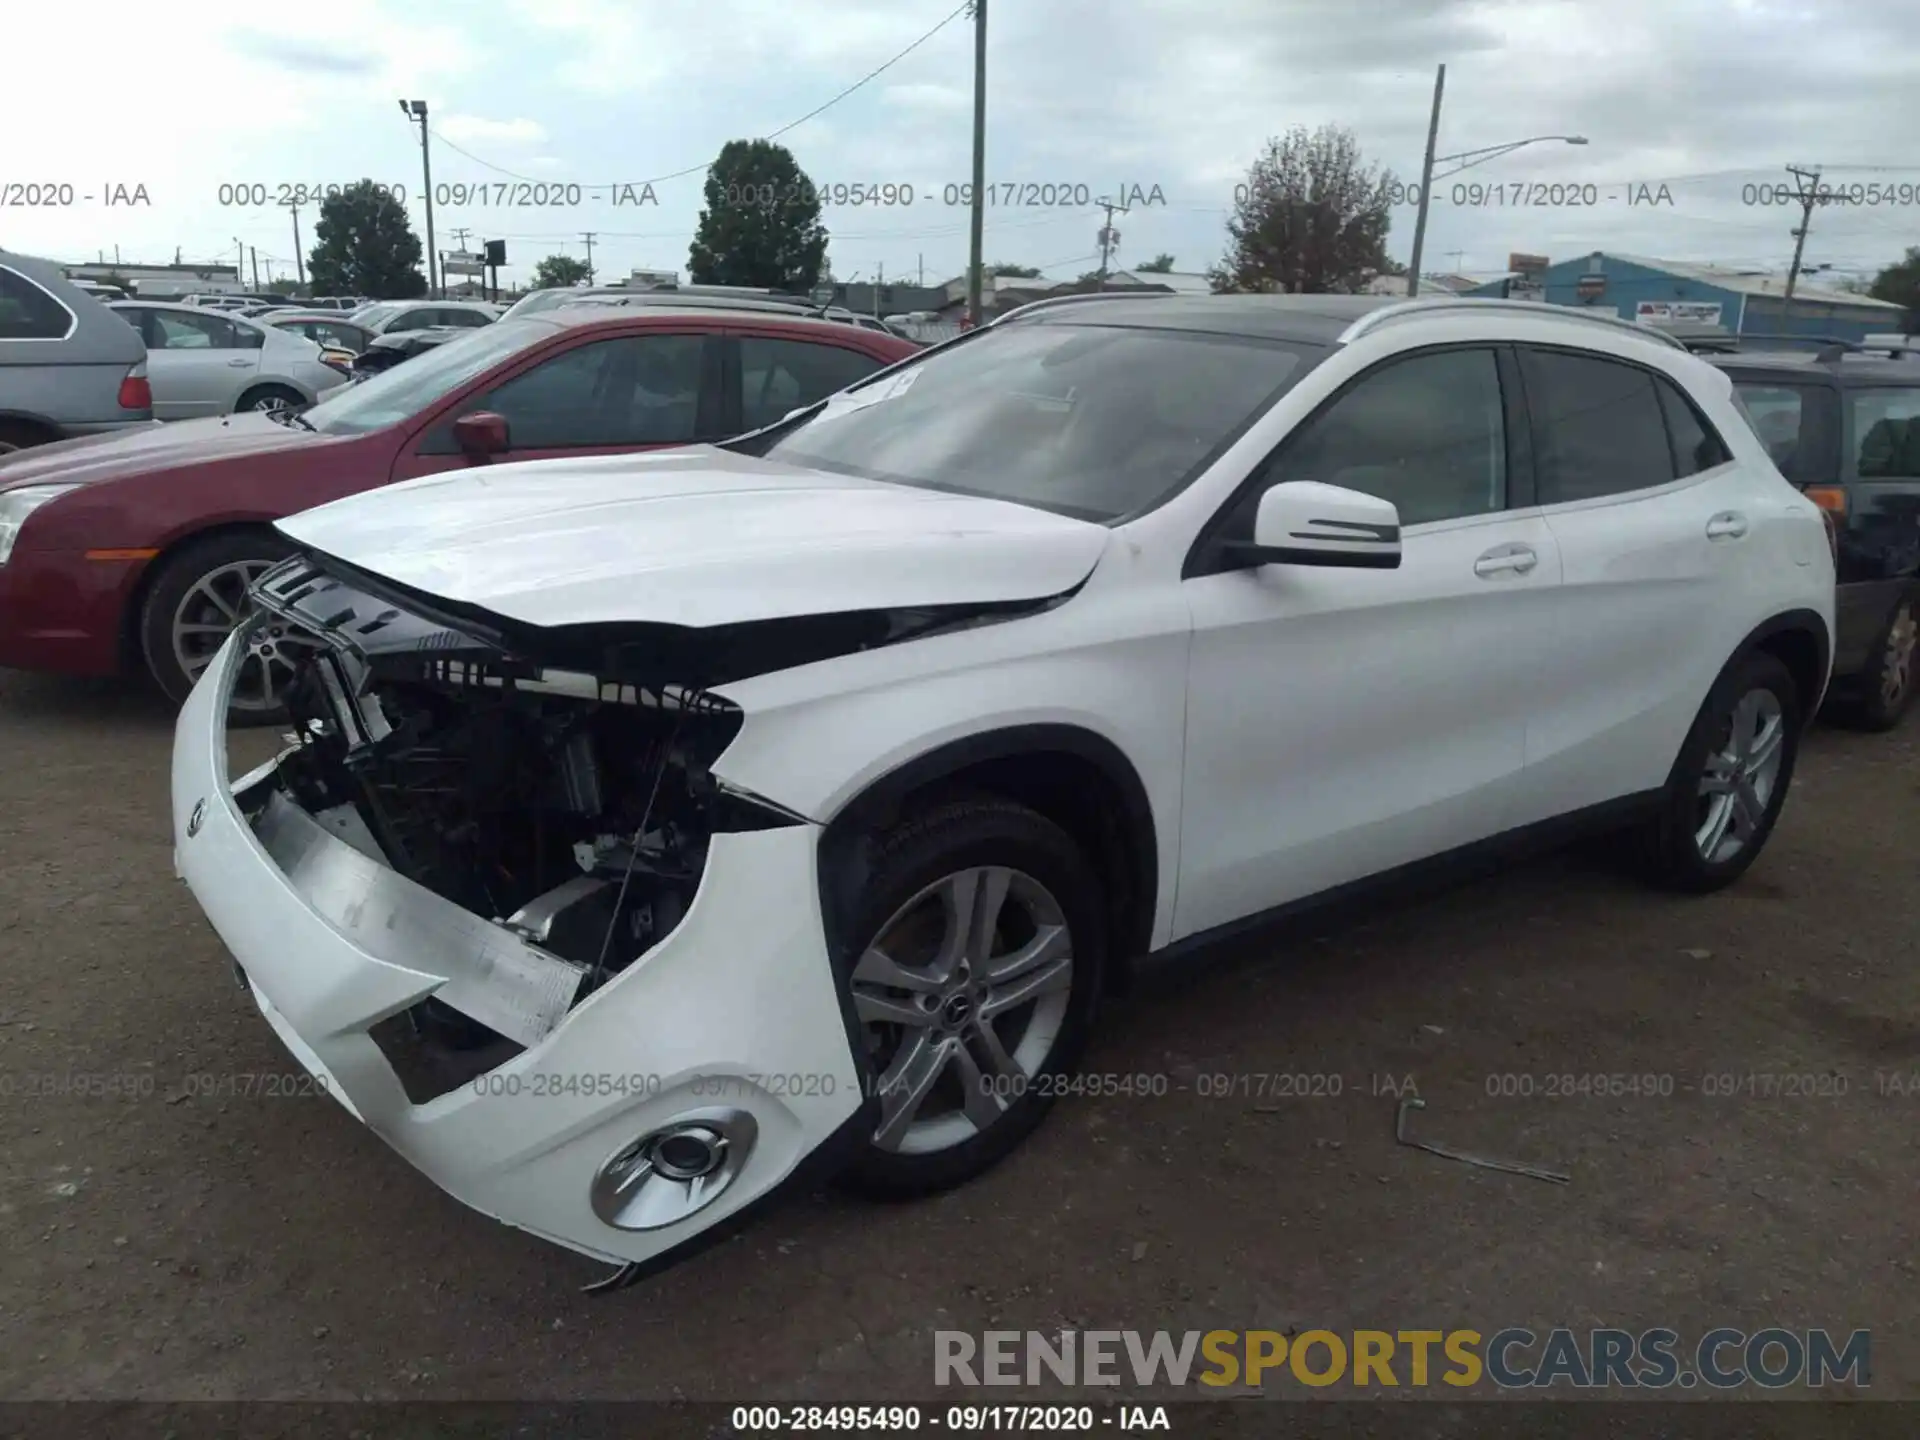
x=1426 y=184
x=417 y=109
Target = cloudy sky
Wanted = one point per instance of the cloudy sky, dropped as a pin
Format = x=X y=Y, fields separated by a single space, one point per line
x=1709 y=98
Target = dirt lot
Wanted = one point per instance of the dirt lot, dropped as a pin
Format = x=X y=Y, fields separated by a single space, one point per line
x=171 y=1247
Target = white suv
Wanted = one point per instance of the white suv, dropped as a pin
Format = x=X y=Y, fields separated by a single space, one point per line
x=658 y=823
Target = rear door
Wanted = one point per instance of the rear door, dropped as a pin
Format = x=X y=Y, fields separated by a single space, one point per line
x=770 y=374
x=1655 y=525
x=197 y=363
x=644 y=390
x=1880 y=551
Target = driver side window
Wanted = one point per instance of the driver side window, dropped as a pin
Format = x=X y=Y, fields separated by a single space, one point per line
x=1427 y=432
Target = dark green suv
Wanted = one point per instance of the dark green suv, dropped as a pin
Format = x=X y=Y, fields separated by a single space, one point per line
x=1844 y=426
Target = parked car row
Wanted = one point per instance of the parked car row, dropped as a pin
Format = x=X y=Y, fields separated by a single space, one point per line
x=829 y=775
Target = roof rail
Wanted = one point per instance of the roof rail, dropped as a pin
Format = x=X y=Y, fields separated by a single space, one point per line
x=1405 y=309
x=1055 y=302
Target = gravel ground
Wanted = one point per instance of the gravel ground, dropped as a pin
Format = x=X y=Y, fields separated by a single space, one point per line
x=175 y=1247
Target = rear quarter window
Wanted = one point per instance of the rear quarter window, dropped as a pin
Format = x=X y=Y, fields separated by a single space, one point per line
x=28 y=312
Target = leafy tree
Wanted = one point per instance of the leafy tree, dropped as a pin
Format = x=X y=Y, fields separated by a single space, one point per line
x=1900 y=283
x=285 y=286
x=761 y=222
x=1013 y=272
x=364 y=245
x=1310 y=219
x=1161 y=264
x=559 y=271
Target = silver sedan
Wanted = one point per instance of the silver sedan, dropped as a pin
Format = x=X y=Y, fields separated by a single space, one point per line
x=208 y=362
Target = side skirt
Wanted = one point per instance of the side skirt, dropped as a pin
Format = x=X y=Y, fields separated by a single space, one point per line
x=1418 y=878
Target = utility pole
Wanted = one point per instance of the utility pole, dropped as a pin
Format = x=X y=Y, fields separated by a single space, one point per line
x=879 y=278
x=1109 y=237
x=254 y=255
x=417 y=110
x=1426 y=185
x=1808 y=194
x=922 y=260
x=978 y=219
x=588 y=237
x=299 y=264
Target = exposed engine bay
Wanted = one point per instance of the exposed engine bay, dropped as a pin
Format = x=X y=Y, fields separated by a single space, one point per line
x=571 y=810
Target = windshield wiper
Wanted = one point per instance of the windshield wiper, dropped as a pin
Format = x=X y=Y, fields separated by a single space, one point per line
x=295 y=418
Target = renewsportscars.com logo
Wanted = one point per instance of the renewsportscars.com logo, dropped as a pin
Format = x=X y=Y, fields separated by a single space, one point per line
x=1513 y=1359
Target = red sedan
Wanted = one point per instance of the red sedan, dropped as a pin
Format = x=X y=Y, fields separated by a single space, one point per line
x=136 y=549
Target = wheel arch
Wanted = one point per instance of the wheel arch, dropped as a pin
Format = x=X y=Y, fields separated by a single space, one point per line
x=132 y=659
x=1077 y=778
x=1800 y=640
x=281 y=383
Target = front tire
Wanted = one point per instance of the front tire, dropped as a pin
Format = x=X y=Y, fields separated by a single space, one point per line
x=197 y=597
x=982 y=940
x=1730 y=780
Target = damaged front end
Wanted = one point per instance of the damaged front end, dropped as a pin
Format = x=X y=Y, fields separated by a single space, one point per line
x=572 y=810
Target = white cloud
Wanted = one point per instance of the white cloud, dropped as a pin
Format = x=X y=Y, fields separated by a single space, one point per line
x=481 y=130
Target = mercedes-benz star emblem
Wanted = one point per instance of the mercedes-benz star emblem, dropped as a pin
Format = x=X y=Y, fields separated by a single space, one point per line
x=195 y=820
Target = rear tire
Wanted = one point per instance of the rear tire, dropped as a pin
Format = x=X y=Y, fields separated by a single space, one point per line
x=197 y=596
x=1726 y=788
x=270 y=397
x=1885 y=687
x=991 y=1041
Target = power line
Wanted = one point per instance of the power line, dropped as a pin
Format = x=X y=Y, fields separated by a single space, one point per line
x=771 y=135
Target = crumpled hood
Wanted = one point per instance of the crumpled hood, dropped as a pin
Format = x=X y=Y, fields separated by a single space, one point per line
x=144 y=449
x=695 y=537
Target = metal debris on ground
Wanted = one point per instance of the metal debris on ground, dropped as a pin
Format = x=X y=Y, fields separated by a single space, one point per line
x=1511 y=1167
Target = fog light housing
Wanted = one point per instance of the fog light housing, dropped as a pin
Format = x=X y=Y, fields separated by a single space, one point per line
x=674 y=1171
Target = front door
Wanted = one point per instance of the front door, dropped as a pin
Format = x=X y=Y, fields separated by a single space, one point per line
x=641 y=391
x=197 y=363
x=1341 y=723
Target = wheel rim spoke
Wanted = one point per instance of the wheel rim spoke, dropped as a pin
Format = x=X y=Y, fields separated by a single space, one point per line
x=876 y=967
x=980 y=1103
x=904 y=1088
x=1056 y=975
x=1048 y=944
x=877 y=1008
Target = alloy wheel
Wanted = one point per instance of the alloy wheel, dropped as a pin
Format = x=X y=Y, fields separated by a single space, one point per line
x=210 y=611
x=270 y=402
x=1896 y=664
x=1740 y=776
x=962 y=994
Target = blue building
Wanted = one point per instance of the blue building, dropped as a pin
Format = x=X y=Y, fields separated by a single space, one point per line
x=1741 y=301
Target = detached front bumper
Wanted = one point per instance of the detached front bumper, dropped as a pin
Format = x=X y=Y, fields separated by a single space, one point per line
x=735 y=1013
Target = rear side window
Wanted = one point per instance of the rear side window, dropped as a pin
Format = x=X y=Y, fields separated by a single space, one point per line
x=29 y=313
x=1788 y=420
x=780 y=376
x=1696 y=445
x=1886 y=433
x=1598 y=427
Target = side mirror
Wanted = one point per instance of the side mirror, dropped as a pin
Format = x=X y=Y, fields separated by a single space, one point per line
x=1304 y=522
x=481 y=435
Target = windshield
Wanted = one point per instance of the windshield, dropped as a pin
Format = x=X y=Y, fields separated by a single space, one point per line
x=410 y=387
x=372 y=315
x=1094 y=421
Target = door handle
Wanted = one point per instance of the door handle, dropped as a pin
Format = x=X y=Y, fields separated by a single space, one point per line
x=1727 y=525
x=1506 y=560
x=241 y=364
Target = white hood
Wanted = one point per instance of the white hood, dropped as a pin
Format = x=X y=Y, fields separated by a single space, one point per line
x=695 y=537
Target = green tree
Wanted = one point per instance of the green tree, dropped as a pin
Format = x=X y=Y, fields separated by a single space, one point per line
x=1311 y=218
x=557 y=272
x=287 y=286
x=1161 y=264
x=1900 y=284
x=1012 y=272
x=364 y=245
x=761 y=222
